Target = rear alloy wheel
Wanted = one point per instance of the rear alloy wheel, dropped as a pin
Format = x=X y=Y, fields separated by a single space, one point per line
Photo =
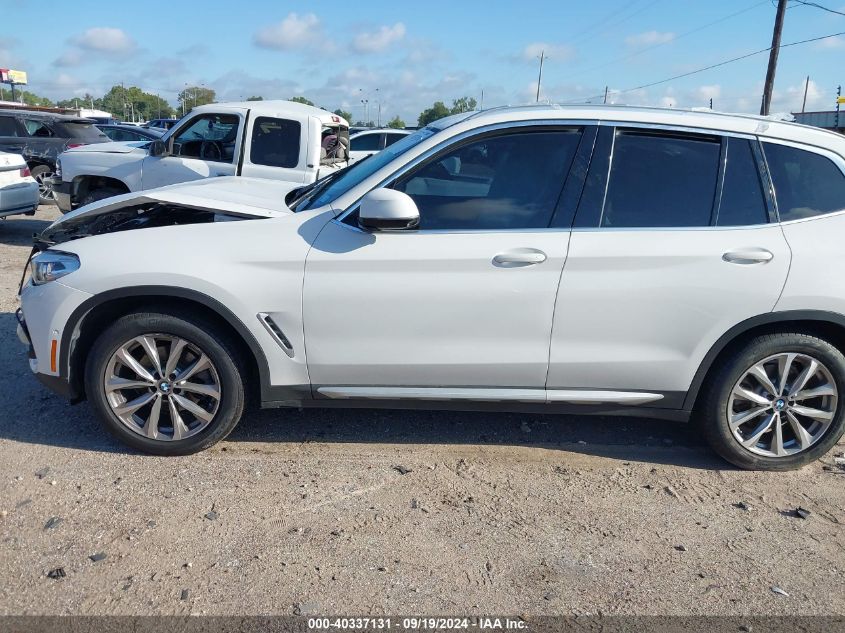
x=42 y=175
x=776 y=404
x=166 y=384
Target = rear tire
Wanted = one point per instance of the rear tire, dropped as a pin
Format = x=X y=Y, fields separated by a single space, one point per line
x=99 y=194
x=41 y=174
x=194 y=410
x=737 y=391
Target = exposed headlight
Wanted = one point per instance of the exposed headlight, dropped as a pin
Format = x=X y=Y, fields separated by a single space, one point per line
x=51 y=265
x=58 y=171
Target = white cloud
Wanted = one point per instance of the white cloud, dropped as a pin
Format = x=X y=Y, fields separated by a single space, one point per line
x=294 y=32
x=648 y=38
x=377 y=41
x=105 y=39
x=831 y=43
x=556 y=52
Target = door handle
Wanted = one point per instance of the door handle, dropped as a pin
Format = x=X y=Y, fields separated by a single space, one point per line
x=748 y=256
x=519 y=257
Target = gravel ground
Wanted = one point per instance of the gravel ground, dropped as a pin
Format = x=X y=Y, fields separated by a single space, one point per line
x=307 y=512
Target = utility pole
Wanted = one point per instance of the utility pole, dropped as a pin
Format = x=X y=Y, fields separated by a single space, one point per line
x=838 y=94
x=605 y=94
x=481 y=107
x=711 y=103
x=806 y=87
x=773 y=59
x=540 y=76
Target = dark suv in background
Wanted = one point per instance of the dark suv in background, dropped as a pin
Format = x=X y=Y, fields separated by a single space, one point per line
x=40 y=137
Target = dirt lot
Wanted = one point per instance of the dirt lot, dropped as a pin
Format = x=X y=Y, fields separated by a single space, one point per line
x=305 y=512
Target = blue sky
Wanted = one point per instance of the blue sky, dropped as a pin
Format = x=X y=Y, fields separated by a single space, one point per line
x=406 y=56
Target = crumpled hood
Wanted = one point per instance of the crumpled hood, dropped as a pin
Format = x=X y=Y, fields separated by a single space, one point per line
x=114 y=147
x=209 y=200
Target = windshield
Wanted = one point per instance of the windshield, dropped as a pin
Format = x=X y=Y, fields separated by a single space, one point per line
x=329 y=189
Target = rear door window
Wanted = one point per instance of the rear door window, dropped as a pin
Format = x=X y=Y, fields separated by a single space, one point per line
x=661 y=180
x=275 y=142
x=806 y=184
x=742 y=202
x=8 y=126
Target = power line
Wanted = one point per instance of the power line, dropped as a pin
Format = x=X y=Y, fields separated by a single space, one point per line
x=674 y=39
x=818 y=6
x=730 y=61
x=706 y=68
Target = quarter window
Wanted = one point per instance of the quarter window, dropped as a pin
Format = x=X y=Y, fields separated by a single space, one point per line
x=390 y=139
x=806 y=184
x=37 y=128
x=742 y=201
x=661 y=180
x=365 y=143
x=504 y=182
x=275 y=142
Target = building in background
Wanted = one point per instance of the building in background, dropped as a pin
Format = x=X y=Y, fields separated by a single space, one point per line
x=826 y=120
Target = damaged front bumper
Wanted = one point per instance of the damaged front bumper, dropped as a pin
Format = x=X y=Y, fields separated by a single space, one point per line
x=63 y=193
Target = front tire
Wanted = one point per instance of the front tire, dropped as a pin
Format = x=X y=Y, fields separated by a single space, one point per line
x=776 y=403
x=165 y=383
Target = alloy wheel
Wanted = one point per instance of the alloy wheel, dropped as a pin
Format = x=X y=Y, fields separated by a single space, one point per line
x=162 y=387
x=782 y=405
x=45 y=187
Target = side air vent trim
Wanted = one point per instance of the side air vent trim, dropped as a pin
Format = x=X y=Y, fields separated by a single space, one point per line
x=276 y=332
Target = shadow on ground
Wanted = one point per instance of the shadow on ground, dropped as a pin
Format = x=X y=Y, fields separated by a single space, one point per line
x=30 y=413
x=17 y=230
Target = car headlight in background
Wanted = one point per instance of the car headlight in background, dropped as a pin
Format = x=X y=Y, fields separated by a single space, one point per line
x=51 y=265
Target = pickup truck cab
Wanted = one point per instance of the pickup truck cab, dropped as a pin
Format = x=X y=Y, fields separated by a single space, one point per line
x=281 y=140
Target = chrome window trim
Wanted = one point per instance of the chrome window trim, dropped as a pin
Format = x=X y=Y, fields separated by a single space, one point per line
x=544 y=230
x=665 y=127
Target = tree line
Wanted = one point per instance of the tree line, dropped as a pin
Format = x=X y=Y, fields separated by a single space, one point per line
x=134 y=104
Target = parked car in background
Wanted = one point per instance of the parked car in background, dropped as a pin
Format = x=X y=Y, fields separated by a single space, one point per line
x=368 y=142
x=40 y=137
x=18 y=189
x=281 y=140
x=121 y=132
x=164 y=124
x=604 y=260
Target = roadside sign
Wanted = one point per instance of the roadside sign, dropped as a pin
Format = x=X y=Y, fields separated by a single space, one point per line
x=12 y=76
x=840 y=100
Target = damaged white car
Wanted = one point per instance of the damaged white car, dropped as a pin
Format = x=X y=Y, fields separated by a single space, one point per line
x=281 y=140
x=606 y=260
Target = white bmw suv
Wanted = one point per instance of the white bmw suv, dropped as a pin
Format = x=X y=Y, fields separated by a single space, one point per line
x=606 y=260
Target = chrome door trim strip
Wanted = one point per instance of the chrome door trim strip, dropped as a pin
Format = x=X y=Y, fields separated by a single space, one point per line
x=585 y=396
x=491 y=394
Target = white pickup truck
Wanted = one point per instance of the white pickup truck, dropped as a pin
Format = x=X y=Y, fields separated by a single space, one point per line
x=281 y=140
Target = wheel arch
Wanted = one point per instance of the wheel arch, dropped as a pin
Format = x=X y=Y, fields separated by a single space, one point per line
x=827 y=325
x=84 y=183
x=96 y=313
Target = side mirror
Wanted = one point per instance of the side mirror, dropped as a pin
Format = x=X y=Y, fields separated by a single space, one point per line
x=388 y=210
x=157 y=148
